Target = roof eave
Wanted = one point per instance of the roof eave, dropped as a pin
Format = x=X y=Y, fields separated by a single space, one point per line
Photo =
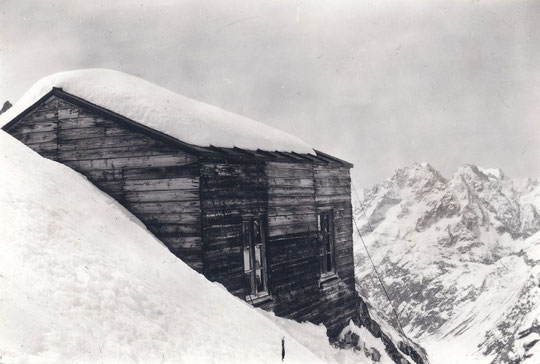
x=194 y=149
x=335 y=159
x=27 y=111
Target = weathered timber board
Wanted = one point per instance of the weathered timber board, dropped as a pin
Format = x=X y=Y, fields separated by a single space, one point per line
x=38 y=129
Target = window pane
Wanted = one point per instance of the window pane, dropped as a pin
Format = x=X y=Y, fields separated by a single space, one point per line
x=326 y=242
x=254 y=259
x=328 y=262
x=259 y=273
x=258 y=256
x=256 y=231
x=248 y=283
x=247 y=259
x=245 y=233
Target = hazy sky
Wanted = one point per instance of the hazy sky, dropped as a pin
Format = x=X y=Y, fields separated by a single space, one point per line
x=379 y=83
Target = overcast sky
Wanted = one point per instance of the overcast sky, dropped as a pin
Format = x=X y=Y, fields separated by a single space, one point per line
x=381 y=84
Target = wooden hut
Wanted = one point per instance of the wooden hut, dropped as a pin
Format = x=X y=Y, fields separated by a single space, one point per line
x=273 y=227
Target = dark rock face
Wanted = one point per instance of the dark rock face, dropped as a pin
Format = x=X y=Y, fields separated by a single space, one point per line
x=397 y=346
x=447 y=249
x=6 y=107
x=394 y=349
x=354 y=342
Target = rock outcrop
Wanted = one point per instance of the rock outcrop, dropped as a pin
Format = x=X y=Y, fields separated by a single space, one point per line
x=7 y=105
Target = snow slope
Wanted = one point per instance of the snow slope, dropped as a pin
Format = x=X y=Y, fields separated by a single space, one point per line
x=81 y=280
x=460 y=258
x=187 y=120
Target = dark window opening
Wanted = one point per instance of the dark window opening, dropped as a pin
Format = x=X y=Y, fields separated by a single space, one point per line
x=253 y=236
x=326 y=240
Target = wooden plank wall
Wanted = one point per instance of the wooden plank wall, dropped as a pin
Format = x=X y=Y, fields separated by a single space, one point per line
x=291 y=198
x=166 y=199
x=156 y=182
x=296 y=194
x=229 y=192
x=333 y=193
x=292 y=253
x=38 y=129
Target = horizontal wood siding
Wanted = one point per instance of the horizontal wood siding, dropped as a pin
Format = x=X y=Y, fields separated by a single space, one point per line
x=333 y=193
x=292 y=249
x=291 y=199
x=229 y=192
x=38 y=129
x=294 y=275
x=296 y=194
x=166 y=199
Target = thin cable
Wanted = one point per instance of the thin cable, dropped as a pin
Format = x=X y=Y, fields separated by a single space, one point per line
x=379 y=277
x=376 y=272
x=363 y=211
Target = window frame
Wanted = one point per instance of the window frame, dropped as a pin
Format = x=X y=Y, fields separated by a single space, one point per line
x=249 y=243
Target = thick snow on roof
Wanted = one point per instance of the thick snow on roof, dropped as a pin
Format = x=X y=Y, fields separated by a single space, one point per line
x=82 y=280
x=183 y=118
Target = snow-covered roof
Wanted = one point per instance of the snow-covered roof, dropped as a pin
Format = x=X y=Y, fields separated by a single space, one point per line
x=185 y=119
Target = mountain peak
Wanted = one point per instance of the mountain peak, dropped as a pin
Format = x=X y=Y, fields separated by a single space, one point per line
x=496 y=173
x=424 y=165
x=471 y=171
x=418 y=176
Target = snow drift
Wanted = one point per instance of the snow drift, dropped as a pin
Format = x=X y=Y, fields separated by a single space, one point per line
x=183 y=118
x=81 y=280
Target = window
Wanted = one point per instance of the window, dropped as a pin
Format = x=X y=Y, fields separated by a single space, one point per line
x=326 y=239
x=253 y=236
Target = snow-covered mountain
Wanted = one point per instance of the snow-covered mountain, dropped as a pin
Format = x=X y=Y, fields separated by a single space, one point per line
x=459 y=258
